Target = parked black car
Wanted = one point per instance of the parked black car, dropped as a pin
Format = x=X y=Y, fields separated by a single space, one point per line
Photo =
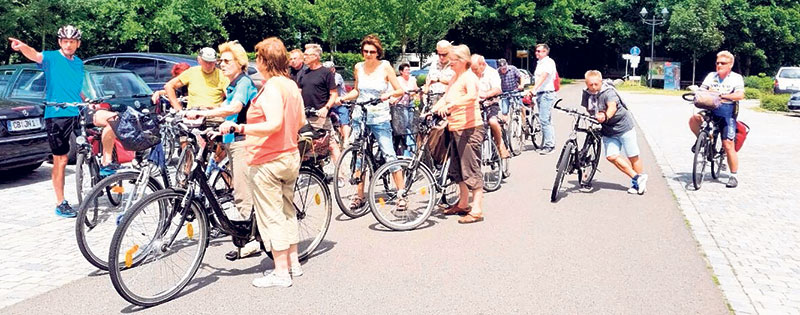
x=154 y=68
x=22 y=88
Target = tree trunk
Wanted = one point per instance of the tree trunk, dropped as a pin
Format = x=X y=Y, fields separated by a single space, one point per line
x=43 y=39
x=694 y=64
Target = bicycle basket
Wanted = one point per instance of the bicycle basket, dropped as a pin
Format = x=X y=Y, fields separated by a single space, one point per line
x=313 y=143
x=708 y=100
x=136 y=131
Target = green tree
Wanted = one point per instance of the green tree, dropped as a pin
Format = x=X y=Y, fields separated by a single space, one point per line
x=693 y=28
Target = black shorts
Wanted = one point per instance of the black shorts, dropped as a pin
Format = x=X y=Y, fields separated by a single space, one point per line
x=59 y=130
x=492 y=110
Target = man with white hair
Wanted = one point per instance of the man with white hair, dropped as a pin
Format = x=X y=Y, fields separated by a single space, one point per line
x=490 y=86
x=318 y=87
x=730 y=86
x=440 y=74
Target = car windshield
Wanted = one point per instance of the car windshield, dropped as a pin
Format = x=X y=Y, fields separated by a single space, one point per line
x=790 y=73
x=119 y=84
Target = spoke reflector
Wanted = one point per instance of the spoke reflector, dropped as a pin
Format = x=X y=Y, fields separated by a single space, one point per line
x=189 y=230
x=382 y=202
x=423 y=191
x=129 y=256
x=117 y=189
x=317 y=199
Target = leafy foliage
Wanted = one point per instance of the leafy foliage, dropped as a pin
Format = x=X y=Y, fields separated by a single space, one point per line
x=775 y=102
x=759 y=82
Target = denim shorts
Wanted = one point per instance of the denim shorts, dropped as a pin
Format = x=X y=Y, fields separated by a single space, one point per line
x=343 y=114
x=626 y=141
x=724 y=115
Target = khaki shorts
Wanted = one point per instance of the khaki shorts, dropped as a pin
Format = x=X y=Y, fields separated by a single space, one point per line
x=272 y=186
x=465 y=157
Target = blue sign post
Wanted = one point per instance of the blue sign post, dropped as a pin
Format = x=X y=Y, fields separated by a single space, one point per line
x=635 y=51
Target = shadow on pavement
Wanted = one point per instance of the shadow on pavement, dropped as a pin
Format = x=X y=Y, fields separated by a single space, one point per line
x=12 y=179
x=377 y=226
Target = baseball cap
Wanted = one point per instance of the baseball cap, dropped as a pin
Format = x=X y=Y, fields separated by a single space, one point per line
x=328 y=64
x=501 y=62
x=208 y=54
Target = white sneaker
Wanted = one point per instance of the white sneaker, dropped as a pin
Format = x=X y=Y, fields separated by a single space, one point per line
x=272 y=280
x=633 y=190
x=642 y=181
x=294 y=271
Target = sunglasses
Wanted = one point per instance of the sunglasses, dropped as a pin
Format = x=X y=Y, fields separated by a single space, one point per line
x=722 y=63
x=225 y=60
x=541 y=50
x=369 y=52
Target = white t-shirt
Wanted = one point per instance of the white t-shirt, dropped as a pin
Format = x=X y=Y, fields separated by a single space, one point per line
x=733 y=82
x=547 y=65
x=488 y=81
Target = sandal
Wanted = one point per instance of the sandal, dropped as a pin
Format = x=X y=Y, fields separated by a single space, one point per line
x=470 y=218
x=456 y=210
x=357 y=203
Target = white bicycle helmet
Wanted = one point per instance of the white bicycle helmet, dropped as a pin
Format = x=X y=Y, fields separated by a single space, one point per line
x=69 y=32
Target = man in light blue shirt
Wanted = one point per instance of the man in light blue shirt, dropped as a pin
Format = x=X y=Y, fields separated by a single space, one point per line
x=63 y=72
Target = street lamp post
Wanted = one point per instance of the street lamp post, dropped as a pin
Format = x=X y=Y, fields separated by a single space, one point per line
x=653 y=22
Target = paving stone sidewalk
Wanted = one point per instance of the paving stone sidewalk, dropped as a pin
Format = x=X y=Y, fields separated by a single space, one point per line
x=750 y=234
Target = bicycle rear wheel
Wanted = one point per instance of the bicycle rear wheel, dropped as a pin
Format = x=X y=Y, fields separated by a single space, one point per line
x=701 y=148
x=537 y=135
x=588 y=162
x=491 y=165
x=418 y=191
x=312 y=201
x=184 y=166
x=352 y=169
x=517 y=138
x=561 y=168
x=98 y=218
x=152 y=259
x=716 y=156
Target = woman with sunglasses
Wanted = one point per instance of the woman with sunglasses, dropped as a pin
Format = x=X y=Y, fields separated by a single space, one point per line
x=460 y=105
x=374 y=78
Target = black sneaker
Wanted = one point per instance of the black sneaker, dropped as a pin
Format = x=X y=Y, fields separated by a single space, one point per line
x=732 y=182
x=65 y=211
x=547 y=151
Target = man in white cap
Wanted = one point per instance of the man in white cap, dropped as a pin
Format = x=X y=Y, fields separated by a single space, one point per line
x=206 y=83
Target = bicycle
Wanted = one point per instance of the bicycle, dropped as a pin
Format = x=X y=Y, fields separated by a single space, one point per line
x=515 y=123
x=492 y=166
x=142 y=244
x=355 y=168
x=383 y=199
x=506 y=163
x=97 y=220
x=583 y=160
x=89 y=152
x=533 y=125
x=707 y=148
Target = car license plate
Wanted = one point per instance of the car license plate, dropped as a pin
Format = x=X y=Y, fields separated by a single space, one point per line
x=25 y=124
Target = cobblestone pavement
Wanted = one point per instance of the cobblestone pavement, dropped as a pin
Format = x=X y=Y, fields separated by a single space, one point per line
x=36 y=254
x=750 y=234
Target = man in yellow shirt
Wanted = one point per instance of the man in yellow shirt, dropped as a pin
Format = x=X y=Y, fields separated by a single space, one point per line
x=205 y=82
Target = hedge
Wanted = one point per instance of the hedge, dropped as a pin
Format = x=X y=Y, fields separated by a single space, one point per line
x=761 y=82
x=344 y=62
x=752 y=93
x=775 y=102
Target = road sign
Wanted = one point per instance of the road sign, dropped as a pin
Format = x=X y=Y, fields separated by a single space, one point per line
x=522 y=53
x=627 y=56
x=635 y=61
x=635 y=51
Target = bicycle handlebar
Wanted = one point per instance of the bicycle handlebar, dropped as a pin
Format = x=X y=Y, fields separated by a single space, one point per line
x=79 y=104
x=575 y=112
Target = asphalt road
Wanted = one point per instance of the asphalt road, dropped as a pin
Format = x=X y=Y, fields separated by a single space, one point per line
x=603 y=251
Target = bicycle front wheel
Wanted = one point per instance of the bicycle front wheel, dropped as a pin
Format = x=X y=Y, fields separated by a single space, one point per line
x=700 y=159
x=561 y=169
x=152 y=259
x=312 y=201
x=491 y=165
x=417 y=191
x=517 y=137
x=352 y=173
x=86 y=173
x=98 y=218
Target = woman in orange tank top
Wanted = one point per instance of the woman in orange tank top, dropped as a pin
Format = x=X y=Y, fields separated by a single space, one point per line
x=273 y=120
